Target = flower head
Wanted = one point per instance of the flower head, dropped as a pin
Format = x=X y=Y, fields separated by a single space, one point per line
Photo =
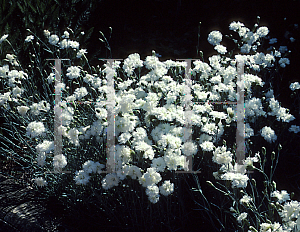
x=268 y=134
x=29 y=38
x=81 y=177
x=53 y=39
x=294 y=86
x=214 y=38
x=39 y=181
x=59 y=161
x=220 y=49
x=73 y=72
x=4 y=37
x=35 y=129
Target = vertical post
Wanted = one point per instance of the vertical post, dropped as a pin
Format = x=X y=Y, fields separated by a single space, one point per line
x=188 y=116
x=57 y=110
x=240 y=130
x=110 y=145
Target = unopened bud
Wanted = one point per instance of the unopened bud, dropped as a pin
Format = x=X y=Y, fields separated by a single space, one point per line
x=264 y=150
x=273 y=155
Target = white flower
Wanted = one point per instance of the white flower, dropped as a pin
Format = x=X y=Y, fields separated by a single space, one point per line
x=4 y=70
x=110 y=181
x=35 y=129
x=22 y=110
x=81 y=177
x=268 y=134
x=64 y=44
x=134 y=172
x=99 y=167
x=152 y=190
x=47 y=33
x=81 y=52
x=272 y=41
x=189 y=148
x=53 y=39
x=245 y=48
x=294 y=86
x=245 y=199
x=73 y=44
x=220 y=49
x=221 y=156
x=124 y=137
x=152 y=177
x=29 y=38
x=41 y=159
x=66 y=35
x=290 y=211
x=51 y=78
x=153 y=193
x=159 y=164
x=207 y=146
x=4 y=98
x=73 y=72
x=166 y=188
x=80 y=93
x=89 y=167
x=73 y=136
x=292 y=39
x=4 y=37
x=283 y=62
x=59 y=161
x=262 y=31
x=237 y=179
x=17 y=91
x=234 y=26
x=133 y=61
x=214 y=38
x=283 y=49
x=281 y=197
x=266 y=227
x=46 y=146
x=40 y=181
x=294 y=129
x=241 y=217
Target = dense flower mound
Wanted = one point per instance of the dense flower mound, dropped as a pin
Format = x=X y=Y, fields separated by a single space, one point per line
x=150 y=116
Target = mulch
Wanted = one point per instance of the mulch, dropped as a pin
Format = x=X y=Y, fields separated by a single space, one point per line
x=20 y=211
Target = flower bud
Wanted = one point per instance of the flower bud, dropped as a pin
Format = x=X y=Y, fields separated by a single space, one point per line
x=252 y=229
x=254 y=182
x=264 y=151
x=274 y=184
x=273 y=155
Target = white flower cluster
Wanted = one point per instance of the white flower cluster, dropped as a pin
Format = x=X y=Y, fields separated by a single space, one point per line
x=268 y=134
x=35 y=129
x=250 y=40
x=36 y=108
x=39 y=181
x=133 y=61
x=221 y=156
x=279 y=112
x=82 y=176
x=294 y=86
x=59 y=161
x=281 y=196
x=73 y=72
x=165 y=147
x=214 y=38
